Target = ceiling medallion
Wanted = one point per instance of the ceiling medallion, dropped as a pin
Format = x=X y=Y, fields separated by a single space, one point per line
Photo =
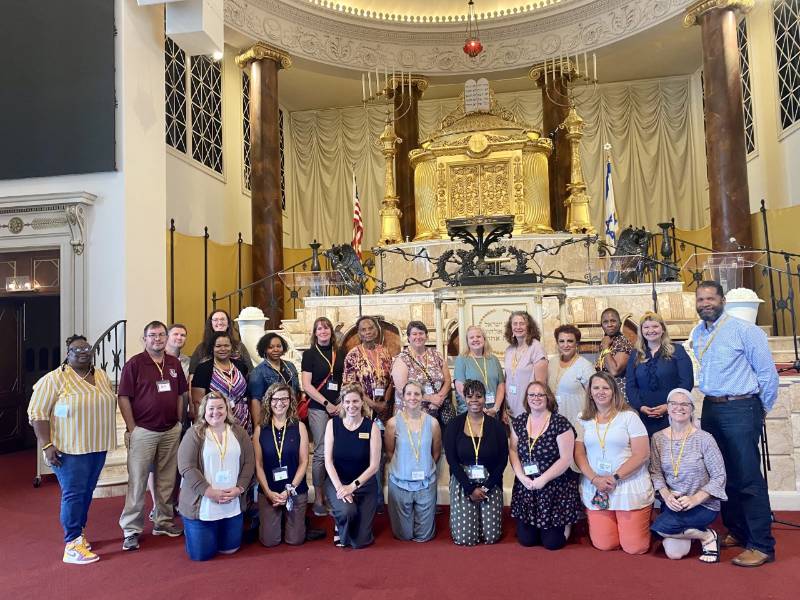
x=472 y=45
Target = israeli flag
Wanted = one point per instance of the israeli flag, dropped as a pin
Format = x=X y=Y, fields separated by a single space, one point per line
x=611 y=222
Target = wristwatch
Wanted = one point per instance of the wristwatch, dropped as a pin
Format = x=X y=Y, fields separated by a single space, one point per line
x=357 y=483
x=325 y=403
x=617 y=477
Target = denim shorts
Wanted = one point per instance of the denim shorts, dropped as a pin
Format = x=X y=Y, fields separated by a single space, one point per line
x=670 y=522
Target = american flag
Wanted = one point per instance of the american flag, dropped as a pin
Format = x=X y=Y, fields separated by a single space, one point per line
x=358 y=223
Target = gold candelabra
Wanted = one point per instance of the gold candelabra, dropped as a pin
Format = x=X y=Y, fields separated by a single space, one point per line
x=390 y=214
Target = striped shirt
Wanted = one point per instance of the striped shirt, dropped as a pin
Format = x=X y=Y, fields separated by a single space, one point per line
x=82 y=416
x=735 y=360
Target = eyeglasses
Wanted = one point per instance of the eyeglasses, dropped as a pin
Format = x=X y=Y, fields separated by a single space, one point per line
x=280 y=399
x=80 y=349
x=156 y=336
x=674 y=404
x=537 y=395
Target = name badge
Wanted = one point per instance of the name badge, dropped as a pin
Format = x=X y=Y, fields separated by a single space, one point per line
x=605 y=466
x=417 y=475
x=61 y=410
x=489 y=401
x=380 y=425
x=280 y=474
x=363 y=435
x=512 y=389
x=378 y=392
x=531 y=469
x=223 y=478
x=333 y=386
x=476 y=472
x=163 y=385
x=429 y=390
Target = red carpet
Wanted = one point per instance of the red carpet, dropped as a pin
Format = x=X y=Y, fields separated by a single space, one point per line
x=31 y=563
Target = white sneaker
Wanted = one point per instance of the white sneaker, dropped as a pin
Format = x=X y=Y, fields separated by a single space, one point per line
x=75 y=553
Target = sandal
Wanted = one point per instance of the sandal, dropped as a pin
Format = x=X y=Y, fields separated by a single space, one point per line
x=710 y=555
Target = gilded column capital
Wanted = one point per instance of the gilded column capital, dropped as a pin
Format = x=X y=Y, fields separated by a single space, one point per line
x=418 y=81
x=261 y=51
x=701 y=7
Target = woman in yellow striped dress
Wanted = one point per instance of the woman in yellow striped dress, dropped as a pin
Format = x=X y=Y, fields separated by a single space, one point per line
x=73 y=413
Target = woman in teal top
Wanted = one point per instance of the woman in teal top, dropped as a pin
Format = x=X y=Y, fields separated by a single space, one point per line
x=413 y=444
x=479 y=364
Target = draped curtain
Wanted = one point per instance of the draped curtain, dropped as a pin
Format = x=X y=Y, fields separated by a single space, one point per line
x=655 y=128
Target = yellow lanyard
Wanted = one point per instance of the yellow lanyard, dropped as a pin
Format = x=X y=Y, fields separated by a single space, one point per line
x=515 y=356
x=483 y=371
x=228 y=376
x=279 y=450
x=562 y=370
x=676 y=466
x=602 y=439
x=159 y=366
x=278 y=371
x=533 y=439
x=373 y=366
x=222 y=447
x=701 y=353
x=476 y=446
x=415 y=449
x=325 y=358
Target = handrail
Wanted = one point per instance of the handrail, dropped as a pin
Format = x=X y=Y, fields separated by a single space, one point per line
x=259 y=281
x=118 y=355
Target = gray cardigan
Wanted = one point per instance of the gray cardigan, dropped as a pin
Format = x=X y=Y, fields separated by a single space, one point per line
x=190 y=466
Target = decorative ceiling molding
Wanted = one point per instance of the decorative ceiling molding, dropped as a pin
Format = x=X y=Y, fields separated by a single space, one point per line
x=429 y=49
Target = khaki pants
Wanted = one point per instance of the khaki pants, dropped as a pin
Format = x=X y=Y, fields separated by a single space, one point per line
x=145 y=448
x=274 y=521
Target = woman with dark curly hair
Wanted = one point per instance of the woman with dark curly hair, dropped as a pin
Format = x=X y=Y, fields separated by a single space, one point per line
x=271 y=347
x=569 y=373
x=525 y=360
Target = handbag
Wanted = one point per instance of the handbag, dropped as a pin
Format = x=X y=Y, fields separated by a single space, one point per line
x=305 y=401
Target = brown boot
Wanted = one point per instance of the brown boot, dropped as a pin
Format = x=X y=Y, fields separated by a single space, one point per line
x=729 y=541
x=752 y=558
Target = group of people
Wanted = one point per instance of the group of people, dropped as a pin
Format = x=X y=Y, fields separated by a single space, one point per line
x=598 y=441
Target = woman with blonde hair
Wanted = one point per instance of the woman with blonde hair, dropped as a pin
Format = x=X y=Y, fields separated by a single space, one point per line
x=655 y=367
x=525 y=360
x=216 y=462
x=477 y=363
x=612 y=450
x=281 y=462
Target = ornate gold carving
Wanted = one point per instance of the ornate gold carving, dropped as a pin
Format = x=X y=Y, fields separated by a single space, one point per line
x=701 y=7
x=389 y=213
x=478 y=145
x=577 y=203
x=261 y=51
x=417 y=81
x=425 y=201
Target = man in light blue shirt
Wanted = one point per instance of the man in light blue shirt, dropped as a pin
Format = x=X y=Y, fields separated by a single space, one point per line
x=740 y=383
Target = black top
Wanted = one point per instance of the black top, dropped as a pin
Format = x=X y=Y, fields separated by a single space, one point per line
x=351 y=449
x=202 y=376
x=314 y=363
x=493 y=453
x=290 y=457
x=199 y=355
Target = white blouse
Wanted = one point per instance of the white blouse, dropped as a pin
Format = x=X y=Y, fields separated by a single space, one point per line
x=636 y=490
x=569 y=385
x=221 y=474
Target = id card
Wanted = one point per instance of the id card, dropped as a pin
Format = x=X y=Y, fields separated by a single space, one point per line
x=489 y=401
x=378 y=392
x=428 y=390
x=163 y=385
x=605 y=466
x=363 y=435
x=61 y=410
x=476 y=472
x=531 y=469
x=223 y=478
x=512 y=389
x=417 y=475
x=333 y=386
x=280 y=474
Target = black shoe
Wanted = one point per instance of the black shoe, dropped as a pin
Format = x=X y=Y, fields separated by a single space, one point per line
x=312 y=535
x=131 y=542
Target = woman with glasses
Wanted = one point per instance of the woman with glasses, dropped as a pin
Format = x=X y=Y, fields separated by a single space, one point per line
x=219 y=321
x=73 y=414
x=281 y=462
x=655 y=367
x=216 y=462
x=544 y=500
x=225 y=375
x=271 y=347
x=688 y=472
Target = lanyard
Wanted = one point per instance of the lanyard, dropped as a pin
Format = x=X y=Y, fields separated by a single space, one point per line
x=330 y=362
x=373 y=367
x=562 y=370
x=279 y=371
x=515 y=356
x=420 y=365
x=602 y=439
x=676 y=466
x=483 y=371
x=228 y=376
x=476 y=446
x=159 y=366
x=415 y=449
x=533 y=439
x=701 y=353
x=279 y=450
x=222 y=447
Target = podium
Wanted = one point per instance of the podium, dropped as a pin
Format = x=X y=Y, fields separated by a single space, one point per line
x=318 y=283
x=726 y=268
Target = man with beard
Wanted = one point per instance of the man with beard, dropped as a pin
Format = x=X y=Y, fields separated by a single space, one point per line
x=740 y=384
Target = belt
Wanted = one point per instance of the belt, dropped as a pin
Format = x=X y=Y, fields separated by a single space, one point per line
x=721 y=399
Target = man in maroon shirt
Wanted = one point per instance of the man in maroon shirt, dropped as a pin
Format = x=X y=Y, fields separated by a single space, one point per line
x=149 y=396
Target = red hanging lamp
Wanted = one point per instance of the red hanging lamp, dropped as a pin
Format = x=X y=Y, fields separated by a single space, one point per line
x=472 y=45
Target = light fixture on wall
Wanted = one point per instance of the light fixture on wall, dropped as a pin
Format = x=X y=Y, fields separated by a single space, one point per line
x=472 y=45
x=22 y=283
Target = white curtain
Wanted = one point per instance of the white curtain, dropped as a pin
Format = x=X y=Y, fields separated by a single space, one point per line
x=655 y=129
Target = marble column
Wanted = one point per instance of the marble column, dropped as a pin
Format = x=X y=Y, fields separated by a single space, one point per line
x=555 y=109
x=729 y=197
x=264 y=62
x=406 y=125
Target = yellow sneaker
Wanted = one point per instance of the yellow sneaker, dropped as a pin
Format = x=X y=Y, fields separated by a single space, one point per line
x=84 y=541
x=75 y=553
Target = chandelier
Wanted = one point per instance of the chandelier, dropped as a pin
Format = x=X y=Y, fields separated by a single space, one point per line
x=472 y=45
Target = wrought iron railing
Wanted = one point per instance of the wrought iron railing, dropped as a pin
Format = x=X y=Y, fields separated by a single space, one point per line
x=110 y=351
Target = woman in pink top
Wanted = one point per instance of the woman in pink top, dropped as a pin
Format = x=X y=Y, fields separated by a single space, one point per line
x=524 y=361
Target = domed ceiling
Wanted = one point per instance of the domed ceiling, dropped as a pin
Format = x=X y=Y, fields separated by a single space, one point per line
x=425 y=36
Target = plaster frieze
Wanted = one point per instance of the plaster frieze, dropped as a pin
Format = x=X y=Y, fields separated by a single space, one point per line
x=430 y=50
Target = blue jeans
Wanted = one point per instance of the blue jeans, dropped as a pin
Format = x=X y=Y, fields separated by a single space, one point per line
x=77 y=477
x=205 y=539
x=736 y=427
x=670 y=522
